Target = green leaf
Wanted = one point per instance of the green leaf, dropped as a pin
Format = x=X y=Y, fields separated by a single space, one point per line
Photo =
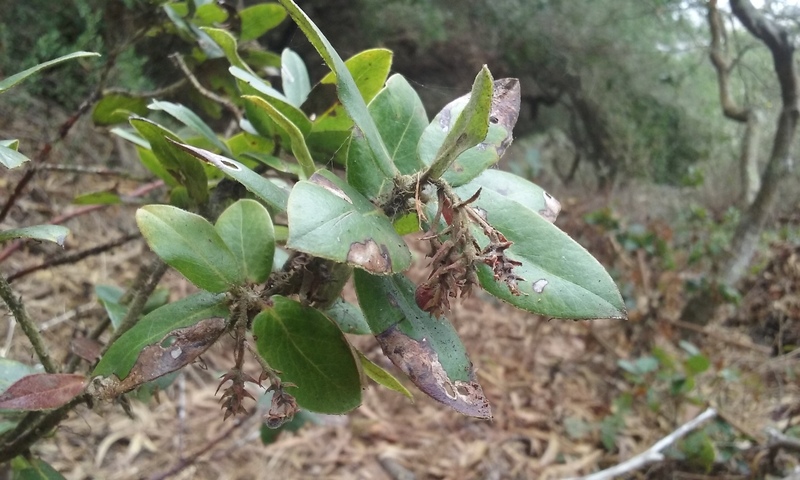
x=34 y=469
x=369 y=70
x=48 y=233
x=228 y=45
x=191 y=120
x=259 y=19
x=109 y=297
x=505 y=104
x=150 y=329
x=699 y=450
x=105 y=197
x=348 y=317
x=204 y=41
x=328 y=218
x=260 y=85
x=425 y=348
x=9 y=82
x=310 y=352
x=561 y=279
x=180 y=165
x=246 y=143
x=269 y=192
x=294 y=77
x=513 y=187
x=348 y=90
x=12 y=370
x=9 y=156
x=131 y=137
x=150 y=161
x=299 y=148
x=191 y=245
x=382 y=377
x=246 y=228
x=401 y=119
x=697 y=364
x=467 y=130
x=116 y=108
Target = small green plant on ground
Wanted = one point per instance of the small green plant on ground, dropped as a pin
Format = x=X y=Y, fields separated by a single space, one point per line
x=270 y=260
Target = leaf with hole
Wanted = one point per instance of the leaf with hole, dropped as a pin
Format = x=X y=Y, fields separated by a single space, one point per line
x=310 y=352
x=175 y=350
x=155 y=326
x=424 y=347
x=246 y=228
x=559 y=277
x=273 y=195
x=190 y=244
x=328 y=218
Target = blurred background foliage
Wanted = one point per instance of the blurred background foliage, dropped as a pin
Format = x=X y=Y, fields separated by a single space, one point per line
x=621 y=89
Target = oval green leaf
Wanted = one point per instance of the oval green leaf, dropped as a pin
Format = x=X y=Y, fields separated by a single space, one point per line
x=190 y=244
x=294 y=77
x=310 y=352
x=561 y=279
x=328 y=218
x=246 y=228
x=259 y=19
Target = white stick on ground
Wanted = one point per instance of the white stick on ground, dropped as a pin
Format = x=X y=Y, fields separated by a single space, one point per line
x=652 y=454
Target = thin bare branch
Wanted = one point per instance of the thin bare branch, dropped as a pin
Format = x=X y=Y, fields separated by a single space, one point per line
x=652 y=454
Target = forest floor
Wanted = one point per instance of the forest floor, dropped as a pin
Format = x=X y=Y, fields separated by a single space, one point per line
x=563 y=405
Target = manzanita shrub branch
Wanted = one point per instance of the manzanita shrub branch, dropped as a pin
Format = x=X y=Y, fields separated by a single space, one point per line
x=272 y=257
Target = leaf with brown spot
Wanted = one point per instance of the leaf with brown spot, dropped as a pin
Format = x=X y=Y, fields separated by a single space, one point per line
x=330 y=219
x=157 y=360
x=424 y=347
x=42 y=391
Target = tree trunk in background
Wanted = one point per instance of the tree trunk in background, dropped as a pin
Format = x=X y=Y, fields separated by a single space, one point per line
x=748 y=231
x=748 y=161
